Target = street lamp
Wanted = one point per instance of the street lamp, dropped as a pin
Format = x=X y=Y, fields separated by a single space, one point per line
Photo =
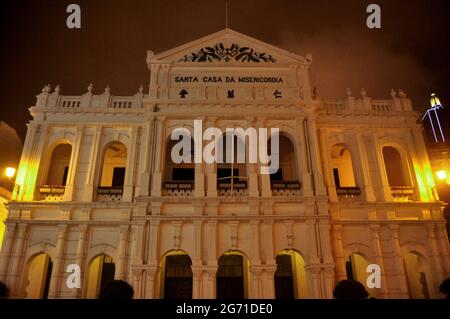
x=441 y=175
x=10 y=172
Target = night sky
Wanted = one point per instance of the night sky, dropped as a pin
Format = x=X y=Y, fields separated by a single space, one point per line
x=410 y=51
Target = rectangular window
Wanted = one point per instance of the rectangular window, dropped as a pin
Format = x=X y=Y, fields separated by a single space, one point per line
x=118 y=176
x=183 y=174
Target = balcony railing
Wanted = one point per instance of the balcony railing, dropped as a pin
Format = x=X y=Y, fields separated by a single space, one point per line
x=402 y=193
x=178 y=188
x=348 y=191
x=109 y=193
x=226 y=188
x=52 y=192
x=285 y=188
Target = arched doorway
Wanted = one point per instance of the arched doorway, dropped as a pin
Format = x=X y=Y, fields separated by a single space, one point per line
x=417 y=276
x=232 y=276
x=290 y=276
x=342 y=165
x=101 y=271
x=177 y=276
x=38 y=277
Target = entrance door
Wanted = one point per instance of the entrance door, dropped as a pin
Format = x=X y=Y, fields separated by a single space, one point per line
x=284 y=278
x=178 y=277
x=230 y=277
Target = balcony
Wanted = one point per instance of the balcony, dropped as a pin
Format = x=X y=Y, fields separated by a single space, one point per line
x=285 y=188
x=401 y=193
x=109 y=193
x=227 y=188
x=348 y=192
x=52 y=192
x=178 y=188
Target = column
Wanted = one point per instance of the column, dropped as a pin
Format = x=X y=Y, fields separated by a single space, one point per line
x=13 y=278
x=197 y=257
x=435 y=262
x=58 y=263
x=6 y=249
x=268 y=281
x=153 y=241
x=255 y=258
x=151 y=273
x=23 y=170
x=131 y=165
x=328 y=282
x=32 y=178
x=157 y=155
x=146 y=148
x=381 y=172
x=363 y=169
x=378 y=255
x=211 y=273
x=211 y=172
x=74 y=159
x=255 y=286
x=196 y=283
x=326 y=164
x=399 y=265
x=211 y=243
x=93 y=163
x=319 y=187
x=80 y=257
x=339 y=259
x=122 y=252
x=305 y=169
x=268 y=249
x=444 y=248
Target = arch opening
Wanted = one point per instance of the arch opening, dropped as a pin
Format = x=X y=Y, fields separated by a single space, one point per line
x=290 y=276
x=55 y=181
x=176 y=276
x=112 y=172
x=101 y=270
x=417 y=275
x=38 y=277
x=232 y=276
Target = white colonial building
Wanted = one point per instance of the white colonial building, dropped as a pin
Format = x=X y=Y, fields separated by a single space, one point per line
x=96 y=187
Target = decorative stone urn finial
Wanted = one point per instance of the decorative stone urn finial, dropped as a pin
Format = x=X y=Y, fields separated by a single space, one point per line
x=349 y=92
x=141 y=89
x=57 y=89
x=401 y=94
x=393 y=93
x=363 y=92
x=90 y=87
x=107 y=90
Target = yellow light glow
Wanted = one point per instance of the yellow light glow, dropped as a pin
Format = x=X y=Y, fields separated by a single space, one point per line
x=10 y=172
x=441 y=175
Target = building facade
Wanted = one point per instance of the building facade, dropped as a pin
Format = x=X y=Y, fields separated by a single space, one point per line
x=97 y=187
x=11 y=148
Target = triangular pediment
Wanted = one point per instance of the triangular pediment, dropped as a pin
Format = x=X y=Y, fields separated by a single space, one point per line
x=228 y=47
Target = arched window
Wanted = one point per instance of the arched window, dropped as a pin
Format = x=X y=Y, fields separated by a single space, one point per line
x=112 y=172
x=417 y=276
x=232 y=165
x=285 y=180
x=179 y=166
x=232 y=276
x=101 y=270
x=396 y=168
x=38 y=277
x=57 y=172
x=177 y=276
x=343 y=173
x=290 y=276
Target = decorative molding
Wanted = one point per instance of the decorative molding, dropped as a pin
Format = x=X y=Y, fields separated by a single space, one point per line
x=220 y=53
